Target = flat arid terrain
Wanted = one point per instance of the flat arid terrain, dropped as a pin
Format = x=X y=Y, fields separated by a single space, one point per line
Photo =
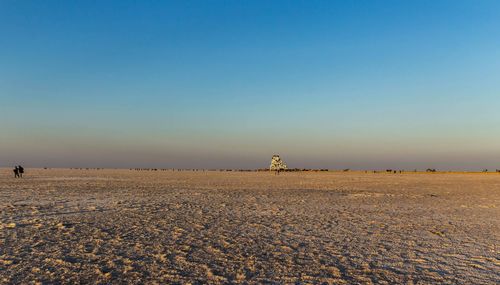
x=61 y=226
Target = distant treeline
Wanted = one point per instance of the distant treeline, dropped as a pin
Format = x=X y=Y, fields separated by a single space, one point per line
x=430 y=170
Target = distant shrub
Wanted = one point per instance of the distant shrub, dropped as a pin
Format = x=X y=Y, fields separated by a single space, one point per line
x=431 y=170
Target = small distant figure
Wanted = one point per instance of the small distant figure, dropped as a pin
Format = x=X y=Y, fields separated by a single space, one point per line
x=16 y=172
x=21 y=171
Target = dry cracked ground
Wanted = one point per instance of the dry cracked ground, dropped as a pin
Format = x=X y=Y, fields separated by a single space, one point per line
x=64 y=226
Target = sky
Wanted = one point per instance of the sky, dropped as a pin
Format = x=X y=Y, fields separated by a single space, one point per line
x=227 y=84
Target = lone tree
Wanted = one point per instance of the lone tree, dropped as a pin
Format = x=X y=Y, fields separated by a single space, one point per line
x=277 y=164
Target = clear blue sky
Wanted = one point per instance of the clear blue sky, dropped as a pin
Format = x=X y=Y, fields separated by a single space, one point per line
x=326 y=84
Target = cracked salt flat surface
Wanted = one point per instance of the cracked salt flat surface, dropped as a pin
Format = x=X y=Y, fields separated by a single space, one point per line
x=121 y=226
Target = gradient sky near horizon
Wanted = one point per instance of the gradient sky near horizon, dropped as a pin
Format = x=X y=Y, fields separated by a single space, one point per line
x=226 y=84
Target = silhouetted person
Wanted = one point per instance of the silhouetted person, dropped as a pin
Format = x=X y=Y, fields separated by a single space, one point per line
x=21 y=171
x=16 y=172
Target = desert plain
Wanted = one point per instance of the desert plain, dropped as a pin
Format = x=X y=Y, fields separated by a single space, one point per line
x=66 y=226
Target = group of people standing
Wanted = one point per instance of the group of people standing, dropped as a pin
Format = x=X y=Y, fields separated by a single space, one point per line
x=18 y=171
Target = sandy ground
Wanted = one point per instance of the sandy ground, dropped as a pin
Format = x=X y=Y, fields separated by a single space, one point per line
x=121 y=226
